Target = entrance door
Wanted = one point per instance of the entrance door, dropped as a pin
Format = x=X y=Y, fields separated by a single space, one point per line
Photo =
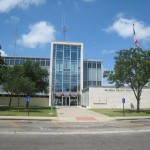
x=65 y=100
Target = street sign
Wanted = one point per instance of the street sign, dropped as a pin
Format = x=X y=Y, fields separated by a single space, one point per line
x=123 y=100
x=28 y=99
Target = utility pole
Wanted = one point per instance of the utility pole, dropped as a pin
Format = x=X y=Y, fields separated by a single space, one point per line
x=64 y=29
x=15 y=44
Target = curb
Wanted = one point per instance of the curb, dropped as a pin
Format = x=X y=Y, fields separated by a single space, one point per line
x=29 y=118
x=131 y=118
x=73 y=133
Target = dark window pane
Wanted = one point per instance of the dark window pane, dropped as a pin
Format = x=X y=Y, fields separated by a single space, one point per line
x=59 y=55
x=11 y=62
x=74 y=88
x=66 y=53
x=58 y=87
x=89 y=65
x=73 y=55
x=94 y=64
x=98 y=83
x=98 y=65
x=66 y=87
x=47 y=63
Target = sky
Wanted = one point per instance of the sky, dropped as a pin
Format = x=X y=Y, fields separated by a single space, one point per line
x=103 y=26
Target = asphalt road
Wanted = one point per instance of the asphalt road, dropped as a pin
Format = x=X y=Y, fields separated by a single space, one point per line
x=109 y=141
x=49 y=126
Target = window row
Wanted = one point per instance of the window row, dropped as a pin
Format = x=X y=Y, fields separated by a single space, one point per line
x=67 y=65
x=91 y=83
x=92 y=64
x=73 y=55
x=66 y=87
x=21 y=61
x=66 y=78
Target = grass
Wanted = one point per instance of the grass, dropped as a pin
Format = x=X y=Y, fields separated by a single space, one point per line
x=119 y=112
x=33 y=111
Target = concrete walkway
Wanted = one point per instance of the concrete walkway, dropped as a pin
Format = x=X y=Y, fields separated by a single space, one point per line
x=79 y=114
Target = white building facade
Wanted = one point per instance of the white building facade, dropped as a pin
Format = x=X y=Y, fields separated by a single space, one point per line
x=111 y=97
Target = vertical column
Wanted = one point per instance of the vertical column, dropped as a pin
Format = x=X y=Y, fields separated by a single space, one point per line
x=69 y=100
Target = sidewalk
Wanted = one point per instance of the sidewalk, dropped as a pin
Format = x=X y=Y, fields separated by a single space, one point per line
x=73 y=114
x=79 y=114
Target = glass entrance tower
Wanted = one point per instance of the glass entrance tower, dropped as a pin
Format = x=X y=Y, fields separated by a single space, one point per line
x=66 y=73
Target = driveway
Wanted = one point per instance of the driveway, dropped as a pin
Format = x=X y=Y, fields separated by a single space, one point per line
x=79 y=114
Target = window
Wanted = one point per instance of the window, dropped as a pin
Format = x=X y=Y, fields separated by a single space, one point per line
x=94 y=83
x=74 y=79
x=16 y=62
x=59 y=55
x=66 y=64
x=7 y=61
x=42 y=62
x=11 y=62
x=94 y=64
x=66 y=76
x=58 y=78
x=47 y=63
x=98 y=65
x=98 y=83
x=66 y=53
x=79 y=55
x=74 y=88
x=58 y=88
x=60 y=47
x=89 y=65
x=22 y=61
x=73 y=67
x=73 y=55
x=85 y=65
x=59 y=66
x=66 y=87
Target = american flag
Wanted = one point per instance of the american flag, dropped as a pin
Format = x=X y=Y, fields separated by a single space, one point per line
x=134 y=37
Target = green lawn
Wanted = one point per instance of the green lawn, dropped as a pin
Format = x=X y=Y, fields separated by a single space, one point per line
x=119 y=112
x=33 y=111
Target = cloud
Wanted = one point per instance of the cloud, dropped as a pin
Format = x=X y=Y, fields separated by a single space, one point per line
x=124 y=28
x=13 y=20
x=7 y=5
x=40 y=34
x=108 y=51
x=3 y=53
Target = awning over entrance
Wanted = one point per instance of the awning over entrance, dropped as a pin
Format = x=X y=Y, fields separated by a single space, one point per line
x=66 y=98
x=66 y=94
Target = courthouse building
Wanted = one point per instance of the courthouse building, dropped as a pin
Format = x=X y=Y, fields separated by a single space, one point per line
x=69 y=73
x=74 y=81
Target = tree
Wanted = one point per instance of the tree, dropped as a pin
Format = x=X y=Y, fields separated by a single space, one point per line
x=22 y=86
x=7 y=83
x=37 y=75
x=132 y=68
x=17 y=83
x=2 y=69
x=25 y=80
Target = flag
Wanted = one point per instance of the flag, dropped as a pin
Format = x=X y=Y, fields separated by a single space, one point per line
x=134 y=38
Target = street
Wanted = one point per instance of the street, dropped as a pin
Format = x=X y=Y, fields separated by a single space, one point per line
x=119 y=134
x=109 y=141
x=56 y=126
